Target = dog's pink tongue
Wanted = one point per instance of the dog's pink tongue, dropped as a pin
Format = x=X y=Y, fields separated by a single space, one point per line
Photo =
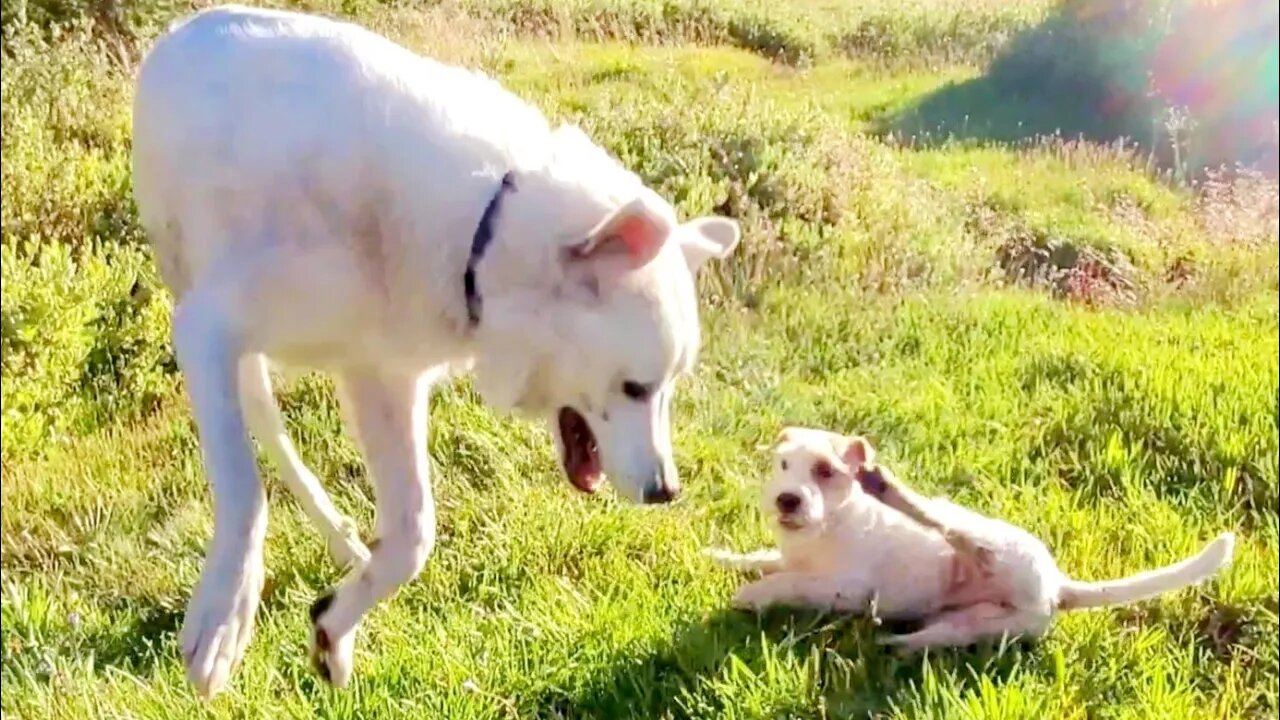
x=587 y=483
x=586 y=476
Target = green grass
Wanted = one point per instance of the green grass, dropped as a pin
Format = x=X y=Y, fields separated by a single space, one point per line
x=1051 y=331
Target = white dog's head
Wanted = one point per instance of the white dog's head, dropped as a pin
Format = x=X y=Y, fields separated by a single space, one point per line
x=814 y=476
x=596 y=339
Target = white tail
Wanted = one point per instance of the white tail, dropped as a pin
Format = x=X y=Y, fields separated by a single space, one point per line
x=1202 y=566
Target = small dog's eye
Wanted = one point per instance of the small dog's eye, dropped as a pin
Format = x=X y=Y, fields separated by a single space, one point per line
x=784 y=464
x=822 y=470
x=635 y=391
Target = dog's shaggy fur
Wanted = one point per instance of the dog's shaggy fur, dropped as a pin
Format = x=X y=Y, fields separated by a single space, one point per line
x=852 y=537
x=320 y=196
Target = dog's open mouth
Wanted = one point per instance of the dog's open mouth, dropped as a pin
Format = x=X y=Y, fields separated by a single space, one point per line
x=581 y=458
x=790 y=522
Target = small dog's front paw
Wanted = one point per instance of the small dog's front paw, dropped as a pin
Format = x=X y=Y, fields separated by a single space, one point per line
x=902 y=645
x=723 y=558
x=754 y=596
x=762 y=562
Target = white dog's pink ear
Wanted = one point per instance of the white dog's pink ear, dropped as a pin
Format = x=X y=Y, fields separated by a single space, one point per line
x=635 y=232
x=708 y=238
x=858 y=452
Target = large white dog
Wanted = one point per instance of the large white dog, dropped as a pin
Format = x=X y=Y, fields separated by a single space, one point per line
x=323 y=197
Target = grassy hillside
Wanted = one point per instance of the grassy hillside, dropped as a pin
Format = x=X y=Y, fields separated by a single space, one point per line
x=1074 y=332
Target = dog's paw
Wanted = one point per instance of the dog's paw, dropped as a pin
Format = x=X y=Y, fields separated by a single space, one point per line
x=903 y=646
x=332 y=654
x=219 y=623
x=969 y=545
x=754 y=596
x=719 y=556
x=891 y=639
x=958 y=540
x=727 y=559
x=872 y=481
x=762 y=562
x=346 y=548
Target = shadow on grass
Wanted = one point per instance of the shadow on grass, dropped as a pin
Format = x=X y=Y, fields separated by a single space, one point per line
x=717 y=664
x=1193 y=84
x=987 y=109
x=140 y=642
x=144 y=635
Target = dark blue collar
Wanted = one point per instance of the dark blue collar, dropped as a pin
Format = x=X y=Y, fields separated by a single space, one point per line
x=480 y=242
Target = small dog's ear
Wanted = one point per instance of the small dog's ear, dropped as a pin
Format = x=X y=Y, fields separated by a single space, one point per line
x=858 y=451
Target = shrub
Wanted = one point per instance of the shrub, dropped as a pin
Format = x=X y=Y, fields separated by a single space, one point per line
x=65 y=113
x=794 y=34
x=84 y=342
x=818 y=205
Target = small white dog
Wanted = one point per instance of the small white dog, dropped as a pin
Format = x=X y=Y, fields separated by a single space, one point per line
x=320 y=196
x=851 y=537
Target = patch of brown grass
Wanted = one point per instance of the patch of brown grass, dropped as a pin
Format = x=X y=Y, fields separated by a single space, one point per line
x=1078 y=273
x=1239 y=205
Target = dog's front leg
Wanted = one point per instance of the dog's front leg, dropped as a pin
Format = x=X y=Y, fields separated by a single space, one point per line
x=390 y=414
x=764 y=562
x=797 y=589
x=264 y=420
x=219 y=618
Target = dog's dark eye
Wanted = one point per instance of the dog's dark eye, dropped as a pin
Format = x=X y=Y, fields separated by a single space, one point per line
x=635 y=390
x=784 y=464
x=822 y=470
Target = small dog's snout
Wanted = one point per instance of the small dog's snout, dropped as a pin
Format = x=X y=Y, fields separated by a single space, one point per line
x=788 y=502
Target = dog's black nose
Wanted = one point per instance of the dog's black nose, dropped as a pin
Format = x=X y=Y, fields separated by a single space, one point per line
x=659 y=494
x=663 y=487
x=788 y=502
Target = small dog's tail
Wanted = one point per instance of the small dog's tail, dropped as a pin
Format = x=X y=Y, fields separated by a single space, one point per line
x=1193 y=570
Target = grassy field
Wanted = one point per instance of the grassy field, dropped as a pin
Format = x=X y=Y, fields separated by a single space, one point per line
x=1077 y=335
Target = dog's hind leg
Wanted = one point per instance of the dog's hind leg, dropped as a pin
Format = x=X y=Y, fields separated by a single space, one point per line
x=957 y=628
x=265 y=422
x=390 y=417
